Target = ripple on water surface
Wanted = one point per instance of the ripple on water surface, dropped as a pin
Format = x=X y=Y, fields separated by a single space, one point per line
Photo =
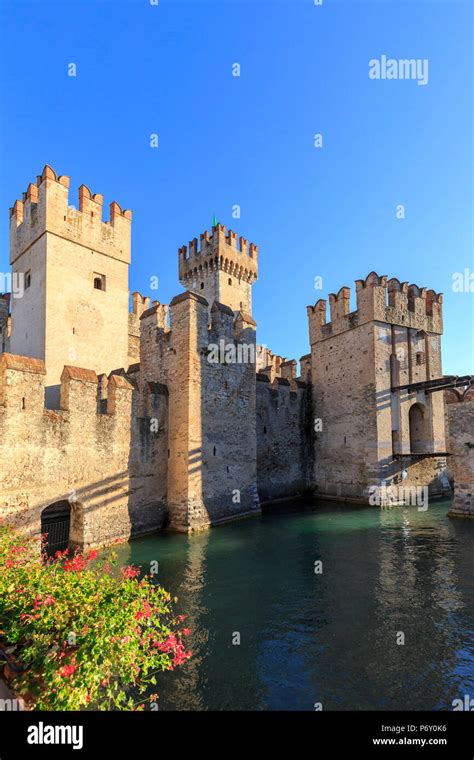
x=329 y=637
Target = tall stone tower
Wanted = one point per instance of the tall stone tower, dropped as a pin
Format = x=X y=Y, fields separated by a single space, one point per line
x=74 y=266
x=223 y=269
x=367 y=432
x=210 y=395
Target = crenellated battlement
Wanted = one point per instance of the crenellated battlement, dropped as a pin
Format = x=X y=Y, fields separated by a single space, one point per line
x=285 y=385
x=218 y=251
x=269 y=362
x=156 y=315
x=79 y=453
x=273 y=366
x=380 y=300
x=44 y=207
x=22 y=381
x=139 y=303
x=202 y=412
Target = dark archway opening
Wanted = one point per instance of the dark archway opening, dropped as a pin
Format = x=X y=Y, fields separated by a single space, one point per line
x=419 y=429
x=56 y=523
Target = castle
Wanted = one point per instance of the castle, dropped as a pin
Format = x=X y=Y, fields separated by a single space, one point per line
x=115 y=424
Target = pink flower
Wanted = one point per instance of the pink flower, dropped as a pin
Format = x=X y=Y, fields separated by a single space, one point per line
x=181 y=657
x=74 y=565
x=68 y=670
x=36 y=602
x=130 y=571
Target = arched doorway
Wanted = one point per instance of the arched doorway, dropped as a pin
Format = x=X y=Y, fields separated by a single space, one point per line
x=56 y=522
x=419 y=429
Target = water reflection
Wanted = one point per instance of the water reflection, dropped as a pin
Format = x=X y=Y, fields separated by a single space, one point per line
x=327 y=637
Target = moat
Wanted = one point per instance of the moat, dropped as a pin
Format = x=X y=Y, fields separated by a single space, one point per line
x=330 y=637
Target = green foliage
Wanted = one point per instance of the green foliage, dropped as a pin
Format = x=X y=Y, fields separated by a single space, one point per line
x=84 y=636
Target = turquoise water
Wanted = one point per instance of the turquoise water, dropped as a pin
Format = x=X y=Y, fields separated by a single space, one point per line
x=328 y=638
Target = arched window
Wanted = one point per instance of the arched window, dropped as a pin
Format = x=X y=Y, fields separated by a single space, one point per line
x=99 y=281
x=202 y=286
x=230 y=281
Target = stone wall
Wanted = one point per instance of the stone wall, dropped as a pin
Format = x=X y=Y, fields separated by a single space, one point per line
x=460 y=444
x=63 y=318
x=212 y=443
x=284 y=438
x=357 y=361
x=102 y=462
x=189 y=423
x=139 y=305
x=220 y=268
x=5 y=322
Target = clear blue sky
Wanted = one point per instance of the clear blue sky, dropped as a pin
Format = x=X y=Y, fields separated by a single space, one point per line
x=248 y=140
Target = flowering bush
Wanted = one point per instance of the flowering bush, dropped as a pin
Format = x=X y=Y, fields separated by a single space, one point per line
x=81 y=636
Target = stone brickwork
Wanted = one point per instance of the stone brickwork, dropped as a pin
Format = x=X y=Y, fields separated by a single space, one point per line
x=212 y=443
x=64 y=255
x=173 y=415
x=284 y=437
x=5 y=322
x=99 y=458
x=273 y=365
x=460 y=444
x=367 y=432
x=139 y=305
x=223 y=268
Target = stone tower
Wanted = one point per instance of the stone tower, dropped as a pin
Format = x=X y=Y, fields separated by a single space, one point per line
x=74 y=267
x=210 y=408
x=223 y=269
x=367 y=432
